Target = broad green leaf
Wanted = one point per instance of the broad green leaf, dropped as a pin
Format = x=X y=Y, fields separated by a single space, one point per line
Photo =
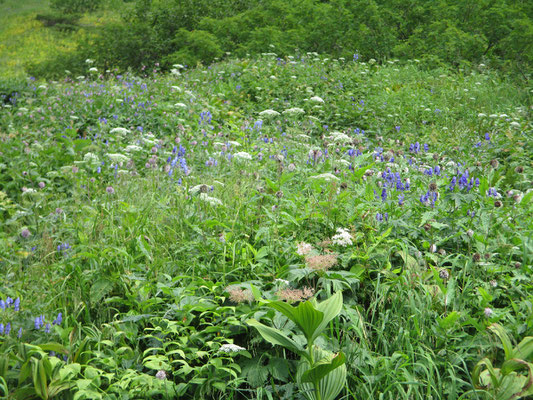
x=499 y=331
x=100 y=288
x=477 y=377
x=511 y=386
x=58 y=348
x=39 y=378
x=305 y=316
x=330 y=385
x=514 y=364
x=323 y=367
x=330 y=308
x=275 y=336
x=524 y=350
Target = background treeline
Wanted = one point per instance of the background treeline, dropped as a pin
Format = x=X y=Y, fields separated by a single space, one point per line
x=437 y=32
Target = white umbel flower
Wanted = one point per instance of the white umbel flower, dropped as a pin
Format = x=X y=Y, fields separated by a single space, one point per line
x=211 y=200
x=317 y=99
x=118 y=158
x=327 y=177
x=303 y=248
x=340 y=137
x=342 y=238
x=119 y=131
x=269 y=113
x=242 y=155
x=230 y=348
x=294 y=111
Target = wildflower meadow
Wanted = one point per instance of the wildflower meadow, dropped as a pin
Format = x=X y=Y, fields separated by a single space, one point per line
x=297 y=227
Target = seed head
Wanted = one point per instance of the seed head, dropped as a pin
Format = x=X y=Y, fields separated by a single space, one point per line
x=444 y=274
x=494 y=163
x=476 y=257
x=498 y=204
x=239 y=295
x=295 y=295
x=321 y=262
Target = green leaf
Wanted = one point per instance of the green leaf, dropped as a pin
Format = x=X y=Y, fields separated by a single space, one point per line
x=305 y=316
x=330 y=308
x=499 y=331
x=275 y=336
x=450 y=320
x=56 y=347
x=100 y=289
x=477 y=378
x=39 y=378
x=323 y=367
x=524 y=350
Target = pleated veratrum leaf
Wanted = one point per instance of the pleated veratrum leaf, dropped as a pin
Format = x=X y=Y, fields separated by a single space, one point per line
x=330 y=308
x=499 y=331
x=323 y=367
x=330 y=385
x=305 y=316
x=275 y=336
x=484 y=374
x=524 y=350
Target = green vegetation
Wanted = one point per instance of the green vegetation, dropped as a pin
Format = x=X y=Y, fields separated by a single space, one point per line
x=185 y=234
x=138 y=34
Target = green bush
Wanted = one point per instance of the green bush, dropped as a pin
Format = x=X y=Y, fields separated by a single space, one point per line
x=75 y=6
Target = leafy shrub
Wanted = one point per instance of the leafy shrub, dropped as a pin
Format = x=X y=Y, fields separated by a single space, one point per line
x=75 y=6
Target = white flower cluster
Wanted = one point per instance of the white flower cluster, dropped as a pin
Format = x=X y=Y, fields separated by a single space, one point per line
x=327 y=177
x=230 y=348
x=118 y=158
x=294 y=111
x=133 y=148
x=303 y=248
x=211 y=200
x=269 y=113
x=91 y=158
x=340 y=137
x=317 y=99
x=119 y=131
x=242 y=155
x=342 y=238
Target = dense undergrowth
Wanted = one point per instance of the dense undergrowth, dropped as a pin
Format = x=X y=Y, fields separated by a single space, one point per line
x=138 y=212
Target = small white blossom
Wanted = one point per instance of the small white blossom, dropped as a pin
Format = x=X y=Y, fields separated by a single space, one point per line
x=180 y=105
x=230 y=348
x=161 y=375
x=303 y=248
x=317 y=99
x=342 y=238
